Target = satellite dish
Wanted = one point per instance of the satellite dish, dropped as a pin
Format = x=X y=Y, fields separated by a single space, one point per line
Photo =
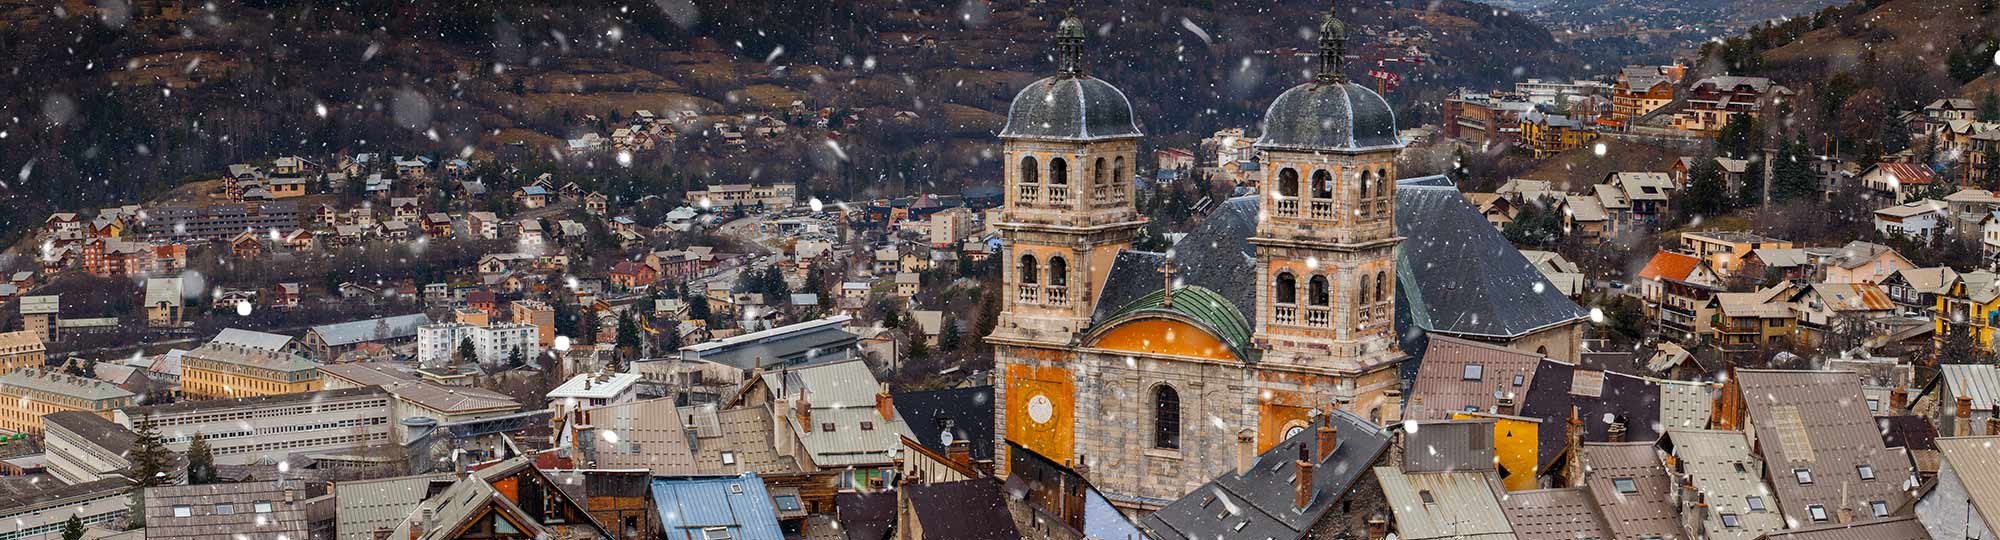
x=945 y=437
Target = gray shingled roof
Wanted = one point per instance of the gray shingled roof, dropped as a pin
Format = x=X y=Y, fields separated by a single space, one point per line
x=349 y=333
x=1070 y=108
x=1263 y=498
x=1456 y=275
x=1329 y=116
x=1216 y=255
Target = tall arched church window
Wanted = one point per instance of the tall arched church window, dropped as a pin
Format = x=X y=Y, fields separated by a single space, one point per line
x=1166 y=417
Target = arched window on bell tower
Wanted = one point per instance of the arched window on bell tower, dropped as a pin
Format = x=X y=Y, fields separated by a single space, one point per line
x=1031 y=178
x=1029 y=282
x=1058 y=181
x=1118 y=179
x=1288 y=191
x=1100 y=188
x=1322 y=195
x=1286 y=295
x=1319 y=297
x=1058 y=280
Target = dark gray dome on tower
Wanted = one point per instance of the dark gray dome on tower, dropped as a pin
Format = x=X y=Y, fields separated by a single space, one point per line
x=1329 y=116
x=1070 y=106
x=1329 y=113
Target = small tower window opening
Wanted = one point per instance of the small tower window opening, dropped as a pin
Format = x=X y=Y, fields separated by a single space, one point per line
x=1028 y=269
x=1058 y=172
x=1030 y=170
x=1381 y=280
x=1320 y=294
x=1058 y=272
x=1118 y=169
x=1322 y=193
x=1288 y=288
x=1364 y=290
x=1288 y=191
x=1166 y=418
x=1097 y=173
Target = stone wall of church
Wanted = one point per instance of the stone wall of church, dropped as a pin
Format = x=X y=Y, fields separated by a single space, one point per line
x=1115 y=421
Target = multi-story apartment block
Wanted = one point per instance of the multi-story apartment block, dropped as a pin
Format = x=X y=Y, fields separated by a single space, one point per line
x=220 y=370
x=219 y=222
x=541 y=316
x=22 y=348
x=437 y=344
x=1642 y=89
x=1712 y=101
x=29 y=394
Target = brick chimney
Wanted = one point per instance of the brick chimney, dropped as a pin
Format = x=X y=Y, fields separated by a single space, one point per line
x=1329 y=437
x=1899 y=400
x=1378 y=528
x=804 y=412
x=885 y=404
x=1246 y=451
x=960 y=452
x=1993 y=421
x=1615 y=432
x=1962 y=423
x=1304 y=480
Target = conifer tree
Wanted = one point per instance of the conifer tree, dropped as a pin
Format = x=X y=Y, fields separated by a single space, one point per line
x=200 y=462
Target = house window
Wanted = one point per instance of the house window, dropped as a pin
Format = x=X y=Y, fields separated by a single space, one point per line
x=263 y=507
x=867 y=426
x=826 y=427
x=1739 y=468
x=1474 y=372
x=1881 y=508
x=1804 y=476
x=182 y=510
x=716 y=533
x=1427 y=497
x=1866 y=471
x=225 y=509
x=1166 y=418
x=1625 y=485
x=1518 y=379
x=1817 y=513
x=1730 y=521
x=1756 y=503
x=728 y=458
x=787 y=503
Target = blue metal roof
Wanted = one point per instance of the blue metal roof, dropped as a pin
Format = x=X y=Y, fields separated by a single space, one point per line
x=736 y=503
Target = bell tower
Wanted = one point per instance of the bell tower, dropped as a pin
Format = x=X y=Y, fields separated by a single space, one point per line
x=1070 y=148
x=1326 y=242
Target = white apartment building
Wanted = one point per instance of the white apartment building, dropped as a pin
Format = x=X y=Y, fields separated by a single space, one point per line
x=492 y=344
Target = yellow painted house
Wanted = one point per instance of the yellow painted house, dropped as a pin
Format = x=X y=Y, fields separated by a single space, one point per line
x=1973 y=298
x=1516 y=447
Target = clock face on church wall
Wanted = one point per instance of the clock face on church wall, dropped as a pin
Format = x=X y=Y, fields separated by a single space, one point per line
x=1041 y=410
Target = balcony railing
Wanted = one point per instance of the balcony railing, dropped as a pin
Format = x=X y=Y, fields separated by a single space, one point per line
x=1100 y=193
x=1322 y=209
x=1286 y=314
x=1288 y=206
x=1058 y=295
x=1059 y=195
x=1030 y=294
x=1029 y=192
x=1319 y=317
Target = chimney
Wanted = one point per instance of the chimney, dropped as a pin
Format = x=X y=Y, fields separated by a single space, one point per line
x=1246 y=451
x=1504 y=403
x=1899 y=400
x=1329 y=437
x=1846 y=513
x=1993 y=421
x=1615 y=432
x=885 y=404
x=804 y=412
x=1378 y=528
x=1962 y=423
x=960 y=452
x=1304 y=480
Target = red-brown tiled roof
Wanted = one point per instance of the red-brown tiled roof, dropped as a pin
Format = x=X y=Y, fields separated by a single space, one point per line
x=1909 y=174
x=1669 y=265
